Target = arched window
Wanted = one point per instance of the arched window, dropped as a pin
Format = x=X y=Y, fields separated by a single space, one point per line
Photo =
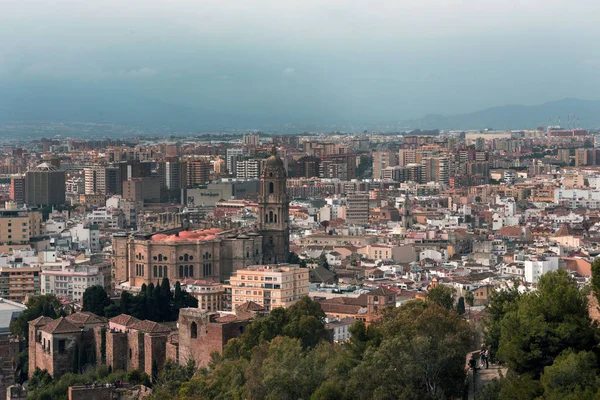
x=270 y=216
x=266 y=217
x=187 y=271
x=160 y=257
x=192 y=271
x=375 y=299
x=275 y=217
x=193 y=330
x=155 y=271
x=160 y=270
x=165 y=271
x=181 y=271
x=271 y=187
x=186 y=257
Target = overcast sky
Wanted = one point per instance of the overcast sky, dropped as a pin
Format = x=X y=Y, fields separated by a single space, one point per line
x=365 y=60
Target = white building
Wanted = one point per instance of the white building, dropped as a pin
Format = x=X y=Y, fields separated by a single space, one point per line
x=249 y=169
x=71 y=281
x=86 y=237
x=535 y=268
x=340 y=329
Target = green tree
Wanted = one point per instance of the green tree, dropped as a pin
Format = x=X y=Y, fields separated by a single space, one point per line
x=541 y=327
x=443 y=296
x=460 y=306
x=45 y=305
x=571 y=376
x=501 y=302
x=95 y=300
x=422 y=355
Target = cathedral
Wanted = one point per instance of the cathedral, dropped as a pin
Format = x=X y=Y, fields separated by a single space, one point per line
x=180 y=254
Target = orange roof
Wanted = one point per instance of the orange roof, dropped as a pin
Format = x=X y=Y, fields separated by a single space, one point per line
x=60 y=325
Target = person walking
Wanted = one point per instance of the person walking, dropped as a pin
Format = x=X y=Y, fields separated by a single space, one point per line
x=487 y=358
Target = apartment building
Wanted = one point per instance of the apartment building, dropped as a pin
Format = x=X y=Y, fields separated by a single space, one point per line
x=271 y=286
x=71 y=280
x=210 y=294
x=19 y=281
x=18 y=225
x=357 y=210
x=249 y=169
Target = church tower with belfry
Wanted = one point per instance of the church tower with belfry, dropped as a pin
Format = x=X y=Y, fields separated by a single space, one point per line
x=273 y=211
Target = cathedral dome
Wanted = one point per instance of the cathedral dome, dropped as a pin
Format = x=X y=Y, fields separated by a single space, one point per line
x=274 y=166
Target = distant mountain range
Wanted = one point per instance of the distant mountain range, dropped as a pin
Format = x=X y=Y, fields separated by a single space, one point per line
x=56 y=102
x=584 y=113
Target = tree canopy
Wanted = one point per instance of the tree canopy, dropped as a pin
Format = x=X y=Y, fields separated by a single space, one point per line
x=414 y=351
x=547 y=340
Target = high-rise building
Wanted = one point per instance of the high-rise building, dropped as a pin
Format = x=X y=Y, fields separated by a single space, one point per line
x=407 y=156
x=248 y=169
x=307 y=167
x=273 y=211
x=234 y=155
x=198 y=172
x=357 y=210
x=341 y=166
x=45 y=186
x=383 y=159
x=95 y=180
x=173 y=174
x=251 y=140
x=17 y=189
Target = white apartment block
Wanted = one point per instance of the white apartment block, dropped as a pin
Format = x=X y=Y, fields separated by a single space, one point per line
x=71 y=281
x=535 y=268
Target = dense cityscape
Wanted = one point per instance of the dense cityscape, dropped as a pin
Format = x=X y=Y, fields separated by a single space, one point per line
x=157 y=267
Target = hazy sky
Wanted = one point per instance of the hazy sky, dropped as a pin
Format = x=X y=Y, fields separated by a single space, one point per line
x=342 y=60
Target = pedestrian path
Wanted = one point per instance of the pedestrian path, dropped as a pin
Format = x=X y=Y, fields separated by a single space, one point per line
x=482 y=376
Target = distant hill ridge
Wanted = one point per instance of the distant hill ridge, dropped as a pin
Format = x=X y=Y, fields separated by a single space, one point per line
x=516 y=116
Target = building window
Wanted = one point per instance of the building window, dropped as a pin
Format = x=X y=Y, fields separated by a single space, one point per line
x=181 y=271
x=155 y=271
x=165 y=271
x=61 y=346
x=271 y=187
x=192 y=271
x=187 y=271
x=186 y=257
x=193 y=330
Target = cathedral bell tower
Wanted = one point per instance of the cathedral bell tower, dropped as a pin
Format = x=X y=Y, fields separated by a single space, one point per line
x=273 y=211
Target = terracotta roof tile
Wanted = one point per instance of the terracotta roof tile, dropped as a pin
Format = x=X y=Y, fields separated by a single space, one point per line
x=86 y=317
x=41 y=321
x=149 y=327
x=124 y=319
x=60 y=325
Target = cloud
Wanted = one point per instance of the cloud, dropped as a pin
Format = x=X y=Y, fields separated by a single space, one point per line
x=289 y=71
x=142 y=73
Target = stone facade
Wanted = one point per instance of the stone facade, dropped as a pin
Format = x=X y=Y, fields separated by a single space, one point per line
x=273 y=211
x=202 y=333
x=144 y=259
x=126 y=343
